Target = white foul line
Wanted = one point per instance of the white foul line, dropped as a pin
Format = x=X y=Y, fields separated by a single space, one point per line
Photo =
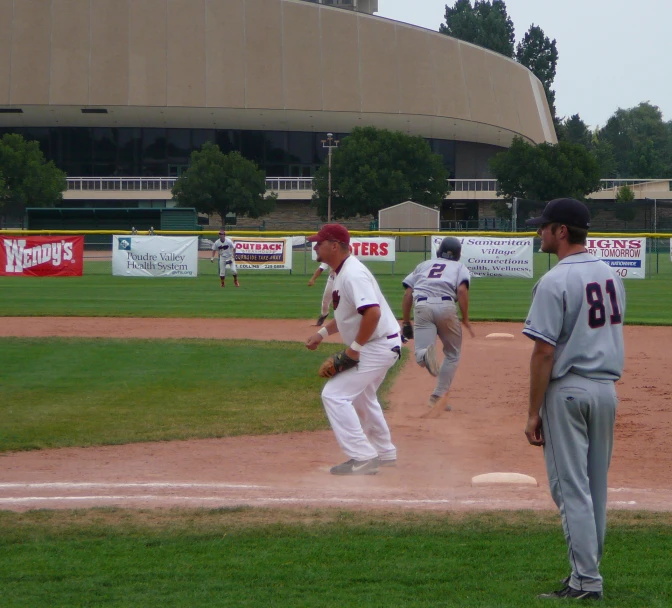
x=209 y=486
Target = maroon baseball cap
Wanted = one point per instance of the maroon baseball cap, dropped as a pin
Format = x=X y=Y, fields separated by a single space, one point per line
x=331 y=232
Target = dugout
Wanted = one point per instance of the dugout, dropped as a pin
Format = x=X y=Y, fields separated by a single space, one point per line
x=126 y=218
x=410 y=217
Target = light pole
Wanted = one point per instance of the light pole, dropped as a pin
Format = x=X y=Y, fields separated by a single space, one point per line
x=330 y=143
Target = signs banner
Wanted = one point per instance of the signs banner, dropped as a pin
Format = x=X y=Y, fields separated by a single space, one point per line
x=487 y=256
x=373 y=249
x=626 y=256
x=257 y=253
x=155 y=256
x=42 y=256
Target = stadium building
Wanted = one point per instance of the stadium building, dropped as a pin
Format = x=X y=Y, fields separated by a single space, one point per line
x=120 y=92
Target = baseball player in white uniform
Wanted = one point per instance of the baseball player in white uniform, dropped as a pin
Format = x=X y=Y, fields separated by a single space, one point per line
x=227 y=257
x=328 y=289
x=576 y=321
x=433 y=288
x=371 y=332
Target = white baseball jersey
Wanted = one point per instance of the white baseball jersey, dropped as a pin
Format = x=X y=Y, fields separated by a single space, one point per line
x=225 y=247
x=356 y=289
x=437 y=278
x=578 y=306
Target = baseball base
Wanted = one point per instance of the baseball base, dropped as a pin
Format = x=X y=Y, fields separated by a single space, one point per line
x=499 y=336
x=503 y=478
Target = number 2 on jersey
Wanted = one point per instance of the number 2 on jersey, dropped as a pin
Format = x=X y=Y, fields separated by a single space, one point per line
x=597 y=313
x=435 y=271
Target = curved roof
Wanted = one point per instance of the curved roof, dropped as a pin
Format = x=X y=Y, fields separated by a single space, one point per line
x=256 y=64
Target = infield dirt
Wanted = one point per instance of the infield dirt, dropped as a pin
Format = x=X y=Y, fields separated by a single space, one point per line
x=437 y=457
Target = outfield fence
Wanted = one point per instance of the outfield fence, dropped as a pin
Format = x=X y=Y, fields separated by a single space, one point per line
x=411 y=247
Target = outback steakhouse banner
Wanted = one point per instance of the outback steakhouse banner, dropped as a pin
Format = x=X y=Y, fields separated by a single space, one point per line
x=487 y=256
x=374 y=249
x=41 y=256
x=263 y=253
x=626 y=256
x=155 y=256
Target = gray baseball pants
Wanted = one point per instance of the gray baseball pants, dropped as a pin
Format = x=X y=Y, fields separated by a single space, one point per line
x=439 y=318
x=578 y=419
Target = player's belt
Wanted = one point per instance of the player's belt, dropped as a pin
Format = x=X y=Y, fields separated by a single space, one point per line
x=393 y=336
x=434 y=300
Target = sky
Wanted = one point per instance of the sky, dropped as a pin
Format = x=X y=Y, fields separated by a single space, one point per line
x=611 y=53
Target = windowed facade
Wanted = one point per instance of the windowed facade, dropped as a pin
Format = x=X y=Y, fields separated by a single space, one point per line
x=152 y=152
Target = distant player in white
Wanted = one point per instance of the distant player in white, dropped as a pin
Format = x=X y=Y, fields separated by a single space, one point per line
x=227 y=257
x=369 y=328
x=328 y=289
x=434 y=287
x=576 y=321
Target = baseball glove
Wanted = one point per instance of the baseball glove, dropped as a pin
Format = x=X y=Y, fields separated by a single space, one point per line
x=407 y=331
x=336 y=364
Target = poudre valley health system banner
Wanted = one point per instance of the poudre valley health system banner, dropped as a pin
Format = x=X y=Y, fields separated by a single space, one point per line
x=487 y=256
x=42 y=256
x=626 y=256
x=256 y=253
x=155 y=256
x=374 y=249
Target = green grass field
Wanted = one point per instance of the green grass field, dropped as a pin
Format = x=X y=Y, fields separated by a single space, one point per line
x=283 y=296
x=256 y=557
x=66 y=392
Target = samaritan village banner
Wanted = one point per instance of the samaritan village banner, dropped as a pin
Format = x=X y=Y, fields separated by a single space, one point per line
x=42 y=256
x=487 y=256
x=155 y=256
x=256 y=253
x=626 y=256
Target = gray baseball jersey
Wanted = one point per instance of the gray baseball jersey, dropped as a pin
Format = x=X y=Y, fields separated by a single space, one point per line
x=437 y=278
x=578 y=307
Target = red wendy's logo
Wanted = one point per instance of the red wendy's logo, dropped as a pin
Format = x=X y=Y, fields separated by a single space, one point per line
x=335 y=298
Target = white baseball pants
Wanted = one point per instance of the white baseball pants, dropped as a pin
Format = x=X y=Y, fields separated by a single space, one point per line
x=352 y=406
x=224 y=263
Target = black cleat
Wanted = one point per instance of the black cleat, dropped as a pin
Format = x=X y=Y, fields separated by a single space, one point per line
x=571 y=593
x=356 y=467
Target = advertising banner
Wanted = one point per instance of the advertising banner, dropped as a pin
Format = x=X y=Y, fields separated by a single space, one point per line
x=42 y=256
x=487 y=256
x=155 y=256
x=626 y=256
x=257 y=253
x=371 y=249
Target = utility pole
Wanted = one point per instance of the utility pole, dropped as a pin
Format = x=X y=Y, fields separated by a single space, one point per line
x=330 y=143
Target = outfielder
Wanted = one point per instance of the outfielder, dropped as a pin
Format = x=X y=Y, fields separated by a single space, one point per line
x=227 y=257
x=371 y=332
x=328 y=289
x=433 y=288
x=576 y=321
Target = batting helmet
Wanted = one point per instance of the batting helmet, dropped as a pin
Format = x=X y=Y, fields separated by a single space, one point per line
x=450 y=249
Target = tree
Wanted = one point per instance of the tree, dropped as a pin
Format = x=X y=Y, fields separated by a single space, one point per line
x=545 y=171
x=540 y=55
x=485 y=24
x=577 y=132
x=26 y=179
x=376 y=168
x=640 y=141
x=625 y=195
x=223 y=183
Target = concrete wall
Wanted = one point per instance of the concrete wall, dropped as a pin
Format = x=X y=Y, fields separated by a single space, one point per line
x=281 y=64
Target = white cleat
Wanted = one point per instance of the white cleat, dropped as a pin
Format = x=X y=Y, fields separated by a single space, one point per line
x=431 y=363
